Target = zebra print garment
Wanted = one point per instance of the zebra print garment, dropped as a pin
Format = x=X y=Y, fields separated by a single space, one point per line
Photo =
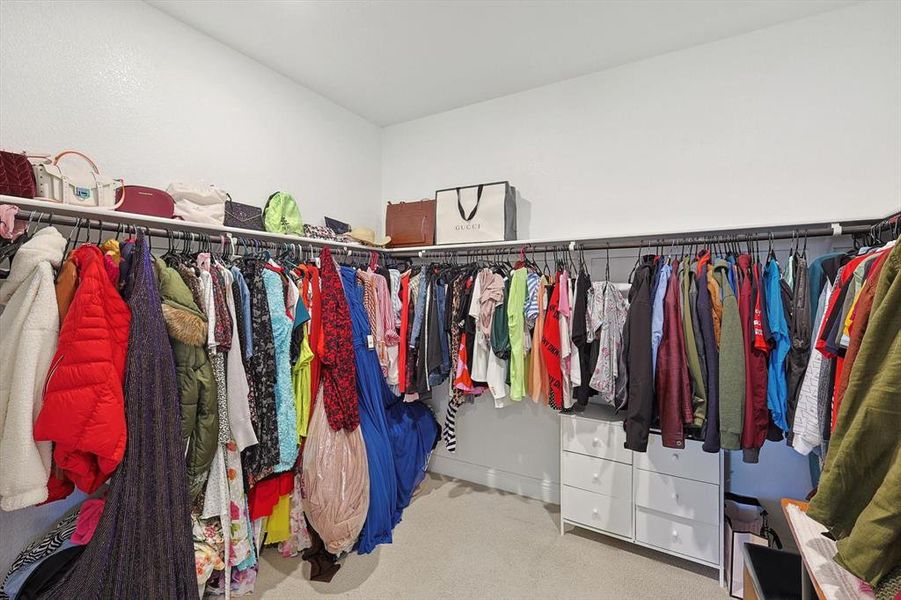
x=42 y=547
x=450 y=426
x=449 y=433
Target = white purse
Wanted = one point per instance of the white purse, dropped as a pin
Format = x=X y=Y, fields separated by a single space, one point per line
x=77 y=183
x=199 y=204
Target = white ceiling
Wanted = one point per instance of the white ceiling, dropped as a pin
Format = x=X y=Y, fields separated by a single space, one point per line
x=399 y=60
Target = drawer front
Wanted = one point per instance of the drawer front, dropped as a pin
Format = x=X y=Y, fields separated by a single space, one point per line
x=691 y=462
x=598 y=475
x=605 y=439
x=684 y=498
x=692 y=539
x=606 y=513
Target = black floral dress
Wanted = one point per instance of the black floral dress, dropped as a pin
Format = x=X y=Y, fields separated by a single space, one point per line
x=260 y=460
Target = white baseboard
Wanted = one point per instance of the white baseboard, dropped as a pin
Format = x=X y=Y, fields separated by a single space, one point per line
x=524 y=485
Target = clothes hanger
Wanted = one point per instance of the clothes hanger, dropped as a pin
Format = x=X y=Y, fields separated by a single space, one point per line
x=170 y=252
x=607 y=264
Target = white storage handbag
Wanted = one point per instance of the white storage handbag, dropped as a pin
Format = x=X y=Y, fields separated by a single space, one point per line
x=197 y=203
x=76 y=183
x=476 y=213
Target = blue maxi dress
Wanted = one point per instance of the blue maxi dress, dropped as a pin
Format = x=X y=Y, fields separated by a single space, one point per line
x=372 y=390
x=414 y=431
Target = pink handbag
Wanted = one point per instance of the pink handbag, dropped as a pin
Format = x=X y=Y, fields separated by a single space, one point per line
x=142 y=200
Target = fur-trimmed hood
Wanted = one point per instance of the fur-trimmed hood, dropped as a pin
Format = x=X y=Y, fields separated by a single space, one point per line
x=185 y=325
x=184 y=321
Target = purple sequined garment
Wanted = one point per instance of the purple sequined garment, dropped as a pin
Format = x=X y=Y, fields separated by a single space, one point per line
x=142 y=547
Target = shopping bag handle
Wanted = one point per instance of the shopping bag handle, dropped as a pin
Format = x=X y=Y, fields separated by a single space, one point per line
x=474 y=208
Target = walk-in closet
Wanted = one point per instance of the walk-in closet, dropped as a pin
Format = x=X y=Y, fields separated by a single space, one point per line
x=421 y=300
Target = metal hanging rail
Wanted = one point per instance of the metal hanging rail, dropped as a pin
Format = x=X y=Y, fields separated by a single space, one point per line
x=65 y=214
x=755 y=233
x=110 y=220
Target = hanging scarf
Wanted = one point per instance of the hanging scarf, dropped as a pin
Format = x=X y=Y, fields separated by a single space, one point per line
x=131 y=554
x=337 y=350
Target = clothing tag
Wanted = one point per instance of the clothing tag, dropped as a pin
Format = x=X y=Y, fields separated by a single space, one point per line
x=370 y=342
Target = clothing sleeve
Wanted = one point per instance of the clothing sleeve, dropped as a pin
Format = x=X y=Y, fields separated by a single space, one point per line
x=205 y=437
x=25 y=463
x=475 y=301
x=239 y=420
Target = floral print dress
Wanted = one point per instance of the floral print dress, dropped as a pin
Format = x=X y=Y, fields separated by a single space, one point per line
x=260 y=460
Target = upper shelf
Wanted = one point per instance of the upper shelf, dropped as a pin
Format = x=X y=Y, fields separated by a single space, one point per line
x=125 y=218
x=761 y=232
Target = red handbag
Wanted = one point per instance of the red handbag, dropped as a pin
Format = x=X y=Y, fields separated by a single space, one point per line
x=16 y=175
x=142 y=200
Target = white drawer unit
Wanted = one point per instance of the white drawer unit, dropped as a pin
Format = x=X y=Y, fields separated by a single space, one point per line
x=597 y=475
x=667 y=499
x=596 y=511
x=693 y=540
x=604 y=439
x=690 y=462
x=679 y=497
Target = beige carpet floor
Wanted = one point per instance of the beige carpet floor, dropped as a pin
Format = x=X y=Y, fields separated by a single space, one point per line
x=459 y=540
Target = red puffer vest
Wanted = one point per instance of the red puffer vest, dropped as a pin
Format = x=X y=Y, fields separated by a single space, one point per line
x=84 y=408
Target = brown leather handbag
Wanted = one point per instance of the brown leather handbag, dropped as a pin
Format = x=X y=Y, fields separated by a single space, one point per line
x=410 y=223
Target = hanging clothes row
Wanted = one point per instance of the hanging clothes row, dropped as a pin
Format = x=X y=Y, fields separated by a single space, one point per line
x=249 y=341
x=849 y=409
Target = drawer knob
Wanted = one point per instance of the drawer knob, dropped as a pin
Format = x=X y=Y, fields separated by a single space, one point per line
x=675 y=534
x=595 y=441
x=675 y=496
x=595 y=512
x=597 y=476
x=675 y=457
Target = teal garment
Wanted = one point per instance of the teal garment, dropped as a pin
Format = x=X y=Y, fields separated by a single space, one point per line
x=285 y=411
x=516 y=322
x=301 y=314
x=777 y=389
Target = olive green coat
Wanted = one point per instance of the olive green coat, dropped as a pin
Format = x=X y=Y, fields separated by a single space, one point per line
x=187 y=328
x=859 y=496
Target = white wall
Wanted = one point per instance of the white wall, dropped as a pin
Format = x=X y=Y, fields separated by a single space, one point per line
x=795 y=122
x=800 y=122
x=154 y=101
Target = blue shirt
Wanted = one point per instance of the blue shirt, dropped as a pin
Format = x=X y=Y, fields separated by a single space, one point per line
x=419 y=310
x=731 y=260
x=437 y=378
x=244 y=296
x=657 y=313
x=777 y=389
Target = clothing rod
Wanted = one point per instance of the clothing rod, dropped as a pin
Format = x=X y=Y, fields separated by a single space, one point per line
x=160 y=227
x=651 y=243
x=64 y=214
x=759 y=233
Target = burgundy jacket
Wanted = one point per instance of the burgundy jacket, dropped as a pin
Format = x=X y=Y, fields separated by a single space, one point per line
x=756 y=419
x=673 y=384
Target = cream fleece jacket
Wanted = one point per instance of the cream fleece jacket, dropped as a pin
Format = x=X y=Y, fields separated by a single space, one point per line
x=29 y=329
